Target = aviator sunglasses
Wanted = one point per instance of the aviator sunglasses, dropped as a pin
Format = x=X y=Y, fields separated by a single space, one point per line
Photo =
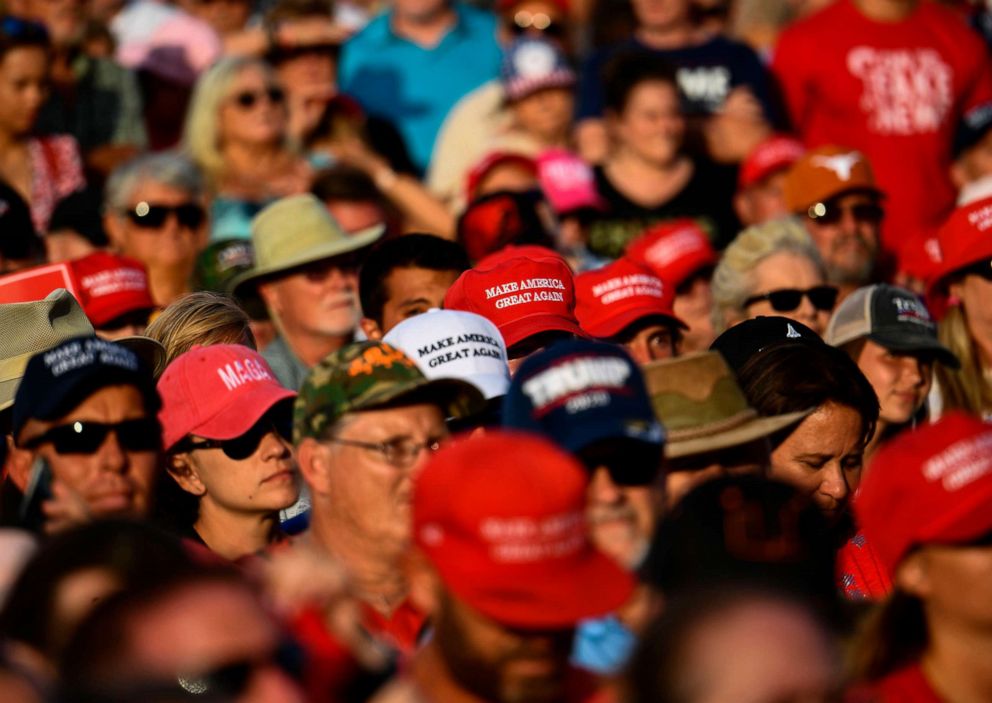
x=788 y=299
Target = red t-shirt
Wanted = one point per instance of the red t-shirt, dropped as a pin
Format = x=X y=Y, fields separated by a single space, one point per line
x=907 y=685
x=893 y=90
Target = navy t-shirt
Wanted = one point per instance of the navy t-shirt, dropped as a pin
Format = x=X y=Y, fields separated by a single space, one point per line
x=706 y=74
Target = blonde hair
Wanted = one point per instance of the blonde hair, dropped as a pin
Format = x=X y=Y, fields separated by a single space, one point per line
x=202 y=318
x=966 y=388
x=733 y=280
x=201 y=135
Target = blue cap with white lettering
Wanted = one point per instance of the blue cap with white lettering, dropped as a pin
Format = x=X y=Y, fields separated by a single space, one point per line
x=59 y=379
x=590 y=398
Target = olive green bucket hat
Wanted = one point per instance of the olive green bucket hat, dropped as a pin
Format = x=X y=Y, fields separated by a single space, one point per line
x=697 y=399
x=293 y=232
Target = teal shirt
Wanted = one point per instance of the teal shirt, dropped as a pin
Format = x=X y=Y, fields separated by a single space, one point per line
x=414 y=87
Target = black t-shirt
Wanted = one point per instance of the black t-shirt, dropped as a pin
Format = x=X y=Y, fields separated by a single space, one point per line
x=705 y=198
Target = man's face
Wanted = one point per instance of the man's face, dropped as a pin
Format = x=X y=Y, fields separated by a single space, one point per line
x=419 y=11
x=112 y=480
x=320 y=300
x=762 y=201
x=621 y=518
x=847 y=236
x=224 y=16
x=651 y=341
x=545 y=114
x=498 y=663
x=412 y=291
x=204 y=627
x=368 y=492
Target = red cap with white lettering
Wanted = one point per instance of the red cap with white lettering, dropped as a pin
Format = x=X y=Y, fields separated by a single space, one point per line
x=502 y=518
x=612 y=298
x=111 y=286
x=674 y=250
x=216 y=392
x=521 y=296
x=965 y=239
x=929 y=486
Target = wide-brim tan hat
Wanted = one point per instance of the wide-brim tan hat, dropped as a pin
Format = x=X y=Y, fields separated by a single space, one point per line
x=296 y=231
x=697 y=399
x=30 y=328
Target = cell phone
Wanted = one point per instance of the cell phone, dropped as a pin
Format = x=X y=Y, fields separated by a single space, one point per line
x=38 y=490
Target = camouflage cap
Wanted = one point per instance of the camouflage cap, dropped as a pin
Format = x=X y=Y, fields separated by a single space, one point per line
x=371 y=375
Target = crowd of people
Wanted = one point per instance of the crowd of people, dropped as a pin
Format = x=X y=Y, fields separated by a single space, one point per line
x=526 y=351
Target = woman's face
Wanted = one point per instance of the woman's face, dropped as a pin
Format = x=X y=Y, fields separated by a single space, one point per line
x=23 y=88
x=788 y=270
x=953 y=581
x=264 y=482
x=254 y=111
x=901 y=381
x=823 y=456
x=651 y=125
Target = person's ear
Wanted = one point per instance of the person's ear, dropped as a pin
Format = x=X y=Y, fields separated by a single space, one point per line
x=912 y=575
x=956 y=289
x=114 y=227
x=424 y=581
x=959 y=174
x=315 y=465
x=184 y=472
x=371 y=329
x=18 y=464
x=269 y=294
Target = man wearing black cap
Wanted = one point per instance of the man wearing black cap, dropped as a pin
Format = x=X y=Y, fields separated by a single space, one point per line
x=85 y=416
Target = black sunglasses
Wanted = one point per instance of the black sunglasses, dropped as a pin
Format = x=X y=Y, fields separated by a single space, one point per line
x=788 y=299
x=230 y=681
x=154 y=216
x=248 y=98
x=979 y=268
x=831 y=213
x=240 y=448
x=143 y=434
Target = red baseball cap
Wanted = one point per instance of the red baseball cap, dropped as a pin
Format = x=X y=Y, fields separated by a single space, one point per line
x=932 y=485
x=609 y=299
x=490 y=161
x=515 y=251
x=776 y=153
x=966 y=238
x=674 y=250
x=502 y=518
x=216 y=392
x=110 y=286
x=521 y=296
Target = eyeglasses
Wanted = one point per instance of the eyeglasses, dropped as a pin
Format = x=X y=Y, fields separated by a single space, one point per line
x=240 y=448
x=524 y=21
x=230 y=681
x=248 y=98
x=400 y=452
x=831 y=213
x=788 y=299
x=152 y=216
x=318 y=271
x=979 y=268
x=143 y=434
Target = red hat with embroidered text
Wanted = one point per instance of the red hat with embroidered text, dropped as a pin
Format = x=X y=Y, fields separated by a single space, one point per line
x=965 y=239
x=502 y=518
x=610 y=299
x=674 y=250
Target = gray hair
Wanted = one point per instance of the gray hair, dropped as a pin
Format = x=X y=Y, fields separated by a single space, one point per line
x=733 y=280
x=166 y=168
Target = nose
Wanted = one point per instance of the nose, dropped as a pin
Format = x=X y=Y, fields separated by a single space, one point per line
x=806 y=313
x=111 y=455
x=639 y=350
x=273 y=447
x=833 y=484
x=913 y=368
x=848 y=223
x=602 y=490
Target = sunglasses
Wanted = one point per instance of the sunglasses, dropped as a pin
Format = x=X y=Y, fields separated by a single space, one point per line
x=230 y=681
x=832 y=213
x=152 y=216
x=628 y=463
x=248 y=98
x=242 y=447
x=143 y=434
x=524 y=21
x=823 y=298
x=319 y=271
x=979 y=268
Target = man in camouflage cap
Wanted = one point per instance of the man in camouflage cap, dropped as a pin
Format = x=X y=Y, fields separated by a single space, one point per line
x=365 y=421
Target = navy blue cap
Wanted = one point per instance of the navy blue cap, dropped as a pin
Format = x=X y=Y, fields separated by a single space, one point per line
x=972 y=128
x=57 y=380
x=745 y=339
x=580 y=393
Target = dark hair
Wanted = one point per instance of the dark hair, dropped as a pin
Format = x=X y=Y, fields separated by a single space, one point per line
x=627 y=70
x=343 y=182
x=424 y=251
x=20 y=242
x=81 y=211
x=789 y=378
x=17 y=33
x=135 y=554
x=891 y=635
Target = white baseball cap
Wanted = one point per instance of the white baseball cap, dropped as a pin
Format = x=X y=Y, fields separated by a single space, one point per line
x=455 y=344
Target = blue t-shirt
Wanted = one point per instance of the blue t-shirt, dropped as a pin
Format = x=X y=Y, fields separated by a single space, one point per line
x=414 y=87
x=706 y=74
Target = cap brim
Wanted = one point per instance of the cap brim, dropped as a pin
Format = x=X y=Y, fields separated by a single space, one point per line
x=752 y=429
x=328 y=250
x=517 y=599
x=150 y=351
x=618 y=323
x=917 y=343
x=234 y=422
x=524 y=327
x=457 y=398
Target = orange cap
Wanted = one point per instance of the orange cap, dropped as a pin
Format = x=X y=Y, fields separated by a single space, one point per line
x=826 y=172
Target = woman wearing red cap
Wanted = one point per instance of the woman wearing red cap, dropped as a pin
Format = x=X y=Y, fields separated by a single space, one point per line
x=226 y=426
x=925 y=508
